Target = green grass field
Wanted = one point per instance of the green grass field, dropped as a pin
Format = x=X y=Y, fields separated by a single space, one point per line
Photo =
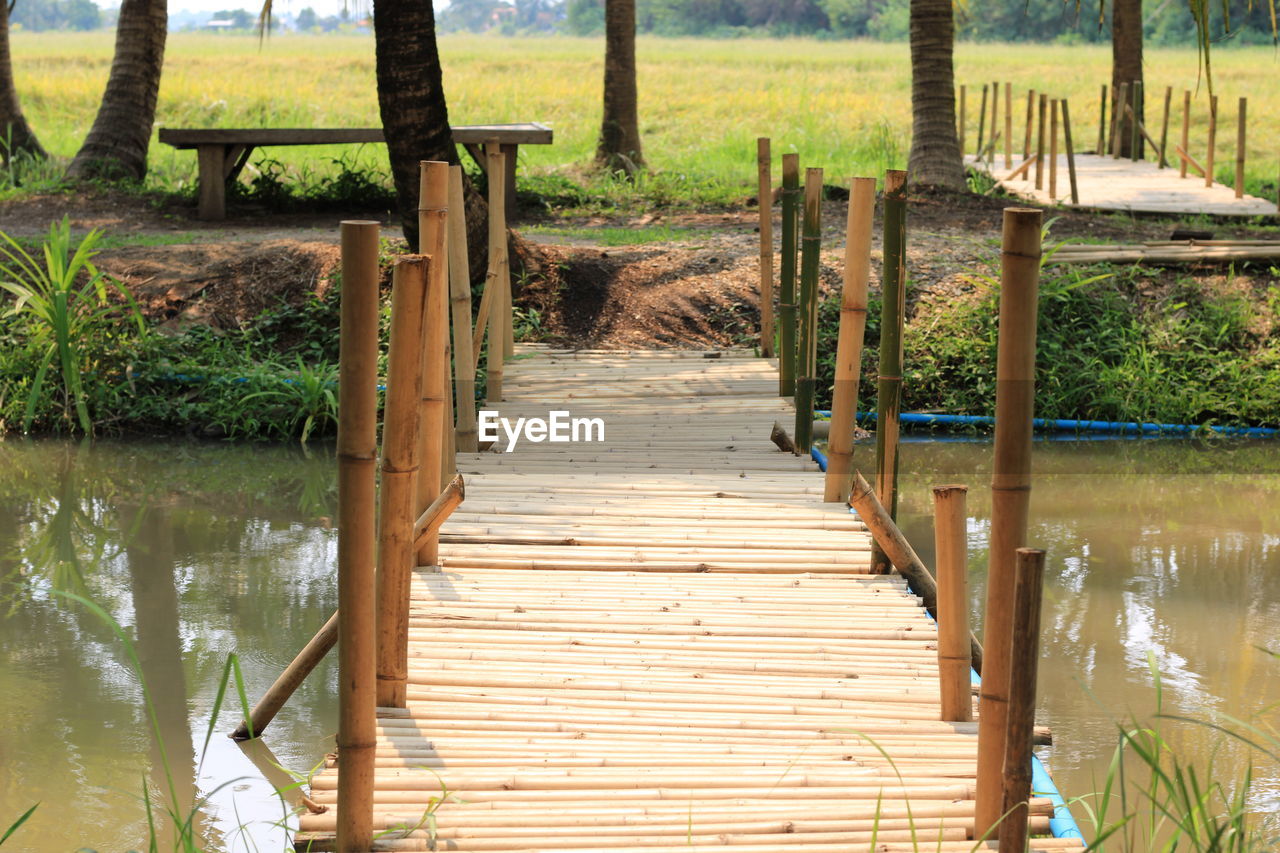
x=842 y=105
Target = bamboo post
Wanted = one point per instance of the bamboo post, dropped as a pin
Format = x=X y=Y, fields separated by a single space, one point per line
x=1240 y=140
x=962 y=130
x=1043 y=108
x=433 y=226
x=1102 y=123
x=1135 y=140
x=357 y=452
x=806 y=348
x=1008 y=125
x=433 y=409
x=464 y=364
x=1010 y=492
x=499 y=309
x=1117 y=120
x=1026 y=138
x=1053 y=148
x=1022 y=701
x=1186 y=130
x=889 y=383
x=853 y=325
x=1071 y=153
x=953 y=602
x=1164 y=127
x=995 y=119
x=283 y=687
x=787 y=292
x=402 y=456
x=764 y=165
x=1213 y=140
x=982 y=120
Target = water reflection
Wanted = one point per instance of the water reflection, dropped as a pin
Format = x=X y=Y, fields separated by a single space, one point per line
x=198 y=551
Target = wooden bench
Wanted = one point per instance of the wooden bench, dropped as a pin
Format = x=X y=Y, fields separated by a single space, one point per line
x=223 y=152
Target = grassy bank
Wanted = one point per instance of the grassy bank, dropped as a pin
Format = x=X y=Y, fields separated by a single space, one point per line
x=844 y=105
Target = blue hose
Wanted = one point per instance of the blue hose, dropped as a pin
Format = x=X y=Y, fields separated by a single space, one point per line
x=1111 y=427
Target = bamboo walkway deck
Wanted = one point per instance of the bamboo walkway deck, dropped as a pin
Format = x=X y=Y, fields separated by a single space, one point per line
x=1133 y=186
x=663 y=642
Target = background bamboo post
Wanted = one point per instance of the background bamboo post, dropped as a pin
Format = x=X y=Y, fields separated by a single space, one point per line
x=1040 y=128
x=1008 y=125
x=433 y=226
x=995 y=119
x=498 y=307
x=401 y=464
x=1213 y=140
x=1010 y=492
x=1186 y=131
x=1031 y=111
x=464 y=364
x=433 y=410
x=954 y=663
x=764 y=165
x=889 y=383
x=1240 y=140
x=806 y=349
x=961 y=131
x=1117 y=119
x=1071 y=153
x=357 y=454
x=1053 y=148
x=1022 y=700
x=787 y=291
x=853 y=325
x=982 y=121
x=1135 y=137
x=1102 y=123
x=1164 y=127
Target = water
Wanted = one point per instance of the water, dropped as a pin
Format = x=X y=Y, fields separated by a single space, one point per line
x=1164 y=548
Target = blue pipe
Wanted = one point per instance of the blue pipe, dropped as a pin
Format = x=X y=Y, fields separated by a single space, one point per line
x=1116 y=427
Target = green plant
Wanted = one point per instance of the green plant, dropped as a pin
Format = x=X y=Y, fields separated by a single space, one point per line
x=13 y=827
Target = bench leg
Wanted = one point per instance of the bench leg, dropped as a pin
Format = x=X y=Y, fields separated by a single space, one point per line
x=212 y=182
x=509 y=154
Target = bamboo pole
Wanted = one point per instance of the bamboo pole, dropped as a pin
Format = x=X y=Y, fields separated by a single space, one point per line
x=953 y=603
x=853 y=324
x=1026 y=138
x=441 y=508
x=962 y=131
x=1008 y=125
x=283 y=687
x=765 y=197
x=1240 y=140
x=433 y=410
x=401 y=462
x=1164 y=127
x=1188 y=160
x=995 y=119
x=787 y=292
x=899 y=551
x=1053 y=148
x=1102 y=123
x=1010 y=490
x=1117 y=120
x=1186 y=130
x=1135 y=116
x=1213 y=140
x=889 y=383
x=1071 y=153
x=1040 y=131
x=982 y=121
x=464 y=364
x=433 y=236
x=357 y=451
x=499 y=309
x=806 y=347
x=1022 y=701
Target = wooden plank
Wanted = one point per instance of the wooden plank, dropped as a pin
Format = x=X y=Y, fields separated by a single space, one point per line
x=530 y=133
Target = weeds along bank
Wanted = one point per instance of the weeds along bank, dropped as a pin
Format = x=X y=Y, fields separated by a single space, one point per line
x=844 y=104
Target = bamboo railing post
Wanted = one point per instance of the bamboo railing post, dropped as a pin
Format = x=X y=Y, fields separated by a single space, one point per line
x=1071 y=153
x=435 y=418
x=1008 y=125
x=1031 y=111
x=982 y=121
x=889 y=383
x=807 y=347
x=1040 y=129
x=1213 y=140
x=853 y=325
x=1010 y=492
x=787 y=292
x=1102 y=124
x=402 y=457
x=357 y=455
x=1022 y=700
x=433 y=226
x=1164 y=127
x=1186 y=130
x=1240 y=140
x=764 y=165
x=1135 y=139
x=464 y=364
x=1053 y=148
x=963 y=129
x=499 y=309
x=1117 y=119
x=283 y=687
x=995 y=119
x=954 y=663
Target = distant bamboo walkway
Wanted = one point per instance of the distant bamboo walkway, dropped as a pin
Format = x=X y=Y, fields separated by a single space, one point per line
x=662 y=642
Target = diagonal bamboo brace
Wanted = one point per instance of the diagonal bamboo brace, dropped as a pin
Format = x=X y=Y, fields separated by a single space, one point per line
x=440 y=510
x=284 y=686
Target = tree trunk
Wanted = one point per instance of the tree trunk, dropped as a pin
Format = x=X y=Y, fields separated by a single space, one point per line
x=1126 y=63
x=15 y=133
x=116 y=147
x=619 y=147
x=935 y=148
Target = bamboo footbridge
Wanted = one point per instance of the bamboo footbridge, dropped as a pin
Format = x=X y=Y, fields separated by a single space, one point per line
x=663 y=641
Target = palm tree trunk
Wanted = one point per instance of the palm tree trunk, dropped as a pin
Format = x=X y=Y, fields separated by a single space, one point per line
x=15 y=134
x=935 y=149
x=116 y=147
x=619 y=146
x=1126 y=62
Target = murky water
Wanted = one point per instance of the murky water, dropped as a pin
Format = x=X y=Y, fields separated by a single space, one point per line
x=199 y=551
